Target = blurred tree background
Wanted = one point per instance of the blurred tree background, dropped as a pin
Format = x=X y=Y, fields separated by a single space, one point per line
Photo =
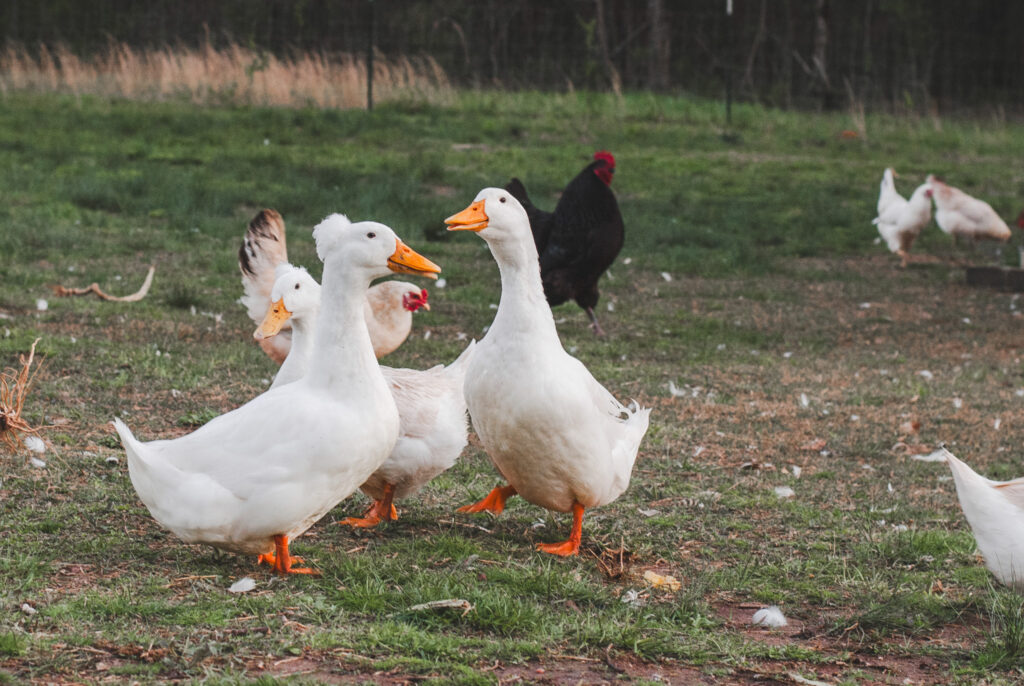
x=899 y=55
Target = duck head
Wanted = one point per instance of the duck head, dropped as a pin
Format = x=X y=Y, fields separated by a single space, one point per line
x=495 y=214
x=368 y=249
x=295 y=294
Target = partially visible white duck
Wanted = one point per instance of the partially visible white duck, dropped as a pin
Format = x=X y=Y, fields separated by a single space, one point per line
x=995 y=511
x=389 y=304
x=557 y=436
x=431 y=406
x=253 y=479
x=900 y=221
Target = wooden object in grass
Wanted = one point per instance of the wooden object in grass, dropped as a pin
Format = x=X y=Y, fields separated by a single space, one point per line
x=999 y=278
x=94 y=287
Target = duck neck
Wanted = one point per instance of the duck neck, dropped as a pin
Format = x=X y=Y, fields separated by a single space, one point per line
x=342 y=355
x=303 y=334
x=522 y=306
x=295 y=365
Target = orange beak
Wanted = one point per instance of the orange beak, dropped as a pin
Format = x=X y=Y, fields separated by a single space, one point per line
x=473 y=218
x=405 y=260
x=277 y=315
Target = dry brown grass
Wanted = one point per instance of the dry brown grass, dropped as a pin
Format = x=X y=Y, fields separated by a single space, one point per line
x=233 y=74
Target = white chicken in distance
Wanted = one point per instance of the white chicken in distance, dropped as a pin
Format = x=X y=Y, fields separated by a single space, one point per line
x=959 y=214
x=900 y=220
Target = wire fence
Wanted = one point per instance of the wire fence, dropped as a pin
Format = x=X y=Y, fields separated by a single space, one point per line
x=923 y=56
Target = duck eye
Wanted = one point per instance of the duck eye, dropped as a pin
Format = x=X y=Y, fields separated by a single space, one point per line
x=371 y=235
x=296 y=286
x=501 y=199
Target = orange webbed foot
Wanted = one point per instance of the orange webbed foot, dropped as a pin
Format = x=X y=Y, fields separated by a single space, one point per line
x=380 y=511
x=572 y=546
x=361 y=522
x=281 y=561
x=494 y=502
x=271 y=559
x=565 y=548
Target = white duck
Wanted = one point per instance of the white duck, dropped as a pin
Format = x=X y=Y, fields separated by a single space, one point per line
x=389 y=304
x=431 y=406
x=995 y=511
x=556 y=435
x=253 y=479
x=959 y=214
x=900 y=221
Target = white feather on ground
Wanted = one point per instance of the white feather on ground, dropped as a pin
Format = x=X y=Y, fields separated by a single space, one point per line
x=769 y=616
x=35 y=444
x=937 y=456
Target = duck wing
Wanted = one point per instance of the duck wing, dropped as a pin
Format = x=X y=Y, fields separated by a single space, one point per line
x=263 y=249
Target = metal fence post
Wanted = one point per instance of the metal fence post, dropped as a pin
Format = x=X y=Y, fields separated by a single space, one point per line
x=369 y=58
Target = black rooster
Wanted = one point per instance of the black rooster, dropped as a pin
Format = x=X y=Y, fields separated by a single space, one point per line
x=580 y=239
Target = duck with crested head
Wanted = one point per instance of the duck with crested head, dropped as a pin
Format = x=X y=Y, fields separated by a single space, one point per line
x=253 y=479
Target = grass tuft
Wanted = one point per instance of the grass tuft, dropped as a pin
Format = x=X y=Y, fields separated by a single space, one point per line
x=11 y=644
x=1004 y=647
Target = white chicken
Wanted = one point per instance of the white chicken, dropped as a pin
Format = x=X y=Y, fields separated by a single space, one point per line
x=958 y=214
x=900 y=221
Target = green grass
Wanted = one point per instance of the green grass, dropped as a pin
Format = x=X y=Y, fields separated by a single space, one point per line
x=766 y=234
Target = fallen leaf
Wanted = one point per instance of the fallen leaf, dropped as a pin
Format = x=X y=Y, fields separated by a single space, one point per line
x=668 y=583
x=910 y=427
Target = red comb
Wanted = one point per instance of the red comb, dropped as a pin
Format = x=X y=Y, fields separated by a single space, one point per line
x=606 y=156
